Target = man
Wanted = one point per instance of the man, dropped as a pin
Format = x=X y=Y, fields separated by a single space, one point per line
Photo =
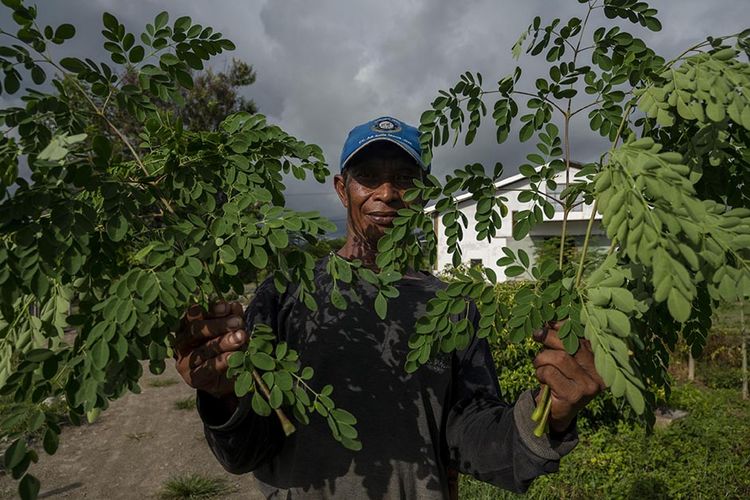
x=413 y=427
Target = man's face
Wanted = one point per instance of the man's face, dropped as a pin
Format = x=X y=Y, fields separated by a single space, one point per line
x=372 y=192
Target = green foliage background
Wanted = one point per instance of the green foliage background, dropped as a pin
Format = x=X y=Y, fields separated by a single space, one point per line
x=703 y=455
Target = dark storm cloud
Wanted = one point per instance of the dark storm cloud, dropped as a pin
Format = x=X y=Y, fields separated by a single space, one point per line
x=326 y=65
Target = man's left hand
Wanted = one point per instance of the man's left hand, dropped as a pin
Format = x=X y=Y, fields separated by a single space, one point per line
x=572 y=379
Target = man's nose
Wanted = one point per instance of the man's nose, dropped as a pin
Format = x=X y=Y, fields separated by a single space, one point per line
x=387 y=192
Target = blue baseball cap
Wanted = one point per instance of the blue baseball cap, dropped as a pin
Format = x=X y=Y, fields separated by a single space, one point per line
x=384 y=128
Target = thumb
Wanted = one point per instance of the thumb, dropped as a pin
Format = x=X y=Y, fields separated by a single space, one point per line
x=548 y=336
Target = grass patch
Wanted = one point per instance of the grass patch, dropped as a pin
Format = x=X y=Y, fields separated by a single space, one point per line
x=162 y=382
x=704 y=455
x=137 y=436
x=194 y=486
x=185 y=404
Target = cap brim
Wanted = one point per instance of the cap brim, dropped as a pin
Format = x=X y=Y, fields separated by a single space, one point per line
x=413 y=154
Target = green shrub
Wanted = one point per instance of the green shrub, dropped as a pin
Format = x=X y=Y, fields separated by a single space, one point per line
x=704 y=455
x=516 y=374
x=720 y=377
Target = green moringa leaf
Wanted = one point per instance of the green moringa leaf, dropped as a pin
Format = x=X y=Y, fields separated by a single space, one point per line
x=338 y=300
x=618 y=322
x=380 y=306
x=278 y=238
x=343 y=416
x=15 y=453
x=243 y=384
x=161 y=20
x=28 y=488
x=50 y=441
x=262 y=361
x=513 y=271
x=259 y=405
x=678 y=306
x=276 y=397
x=65 y=31
x=117 y=228
x=635 y=398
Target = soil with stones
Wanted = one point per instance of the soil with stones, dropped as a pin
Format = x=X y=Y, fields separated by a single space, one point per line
x=132 y=449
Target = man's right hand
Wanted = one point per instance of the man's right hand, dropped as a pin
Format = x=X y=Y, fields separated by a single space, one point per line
x=203 y=344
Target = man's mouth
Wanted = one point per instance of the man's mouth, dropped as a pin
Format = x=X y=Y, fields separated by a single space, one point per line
x=382 y=218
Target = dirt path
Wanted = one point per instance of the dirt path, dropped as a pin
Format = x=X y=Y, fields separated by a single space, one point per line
x=131 y=450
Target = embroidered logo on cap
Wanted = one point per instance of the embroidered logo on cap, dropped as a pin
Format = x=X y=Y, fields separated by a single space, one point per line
x=386 y=126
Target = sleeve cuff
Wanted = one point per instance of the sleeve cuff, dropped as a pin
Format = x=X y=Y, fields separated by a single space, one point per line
x=217 y=420
x=548 y=447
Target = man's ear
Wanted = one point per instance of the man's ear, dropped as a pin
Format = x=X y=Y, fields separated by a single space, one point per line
x=339 y=184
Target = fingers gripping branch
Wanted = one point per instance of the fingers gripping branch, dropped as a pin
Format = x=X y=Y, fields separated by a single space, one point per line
x=569 y=381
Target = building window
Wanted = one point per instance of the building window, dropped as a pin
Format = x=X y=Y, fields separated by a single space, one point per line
x=555 y=193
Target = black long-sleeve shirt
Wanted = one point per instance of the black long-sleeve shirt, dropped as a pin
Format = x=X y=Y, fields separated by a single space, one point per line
x=412 y=426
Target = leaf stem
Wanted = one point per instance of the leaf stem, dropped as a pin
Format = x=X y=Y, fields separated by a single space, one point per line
x=539 y=410
x=519 y=92
x=286 y=424
x=612 y=246
x=566 y=210
x=541 y=428
x=585 y=107
x=564 y=39
x=586 y=239
x=562 y=239
x=590 y=226
x=567 y=115
x=3 y=32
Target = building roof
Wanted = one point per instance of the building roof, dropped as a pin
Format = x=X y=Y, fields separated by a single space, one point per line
x=499 y=185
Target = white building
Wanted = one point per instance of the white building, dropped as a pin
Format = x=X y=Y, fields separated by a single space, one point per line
x=481 y=252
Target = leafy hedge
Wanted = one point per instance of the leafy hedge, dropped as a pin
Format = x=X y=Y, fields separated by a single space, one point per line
x=704 y=455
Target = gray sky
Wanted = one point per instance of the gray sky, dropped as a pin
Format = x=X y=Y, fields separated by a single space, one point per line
x=324 y=66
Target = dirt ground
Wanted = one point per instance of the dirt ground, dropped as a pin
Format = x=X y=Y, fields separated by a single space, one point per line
x=131 y=450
